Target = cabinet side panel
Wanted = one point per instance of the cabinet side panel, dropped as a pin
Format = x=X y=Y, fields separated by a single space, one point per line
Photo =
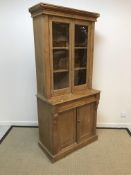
x=91 y=52
x=41 y=36
x=45 y=124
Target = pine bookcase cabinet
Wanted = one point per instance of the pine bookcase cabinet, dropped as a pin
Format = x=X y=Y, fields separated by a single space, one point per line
x=67 y=104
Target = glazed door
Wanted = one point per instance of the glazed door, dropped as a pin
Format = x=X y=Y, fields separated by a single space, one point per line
x=86 y=122
x=65 y=130
x=81 y=46
x=60 y=53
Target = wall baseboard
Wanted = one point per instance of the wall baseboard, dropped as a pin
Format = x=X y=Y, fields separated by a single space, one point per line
x=19 y=123
x=35 y=123
x=115 y=125
x=8 y=125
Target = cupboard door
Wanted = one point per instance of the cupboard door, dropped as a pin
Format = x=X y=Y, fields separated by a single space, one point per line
x=80 y=54
x=86 y=121
x=65 y=130
x=60 y=51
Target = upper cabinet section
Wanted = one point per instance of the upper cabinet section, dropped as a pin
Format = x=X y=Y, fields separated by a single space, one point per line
x=64 y=48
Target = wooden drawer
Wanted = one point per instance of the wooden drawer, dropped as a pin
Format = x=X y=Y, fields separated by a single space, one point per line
x=75 y=103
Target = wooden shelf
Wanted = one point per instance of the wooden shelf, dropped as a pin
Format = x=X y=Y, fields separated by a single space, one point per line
x=80 y=68
x=60 y=48
x=61 y=70
x=80 y=47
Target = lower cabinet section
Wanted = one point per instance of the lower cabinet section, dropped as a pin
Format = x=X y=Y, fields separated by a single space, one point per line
x=68 y=130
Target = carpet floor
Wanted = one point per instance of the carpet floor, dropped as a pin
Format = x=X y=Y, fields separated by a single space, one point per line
x=110 y=155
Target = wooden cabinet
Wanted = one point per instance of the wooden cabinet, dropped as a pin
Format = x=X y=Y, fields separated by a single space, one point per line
x=67 y=104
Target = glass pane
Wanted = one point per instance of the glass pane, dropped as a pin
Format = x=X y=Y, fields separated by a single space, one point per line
x=60 y=39
x=80 y=77
x=81 y=35
x=61 y=80
x=60 y=59
x=60 y=34
x=80 y=58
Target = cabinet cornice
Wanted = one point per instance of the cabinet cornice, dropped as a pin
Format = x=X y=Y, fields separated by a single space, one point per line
x=50 y=9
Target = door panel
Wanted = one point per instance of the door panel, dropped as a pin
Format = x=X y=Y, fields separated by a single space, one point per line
x=65 y=129
x=60 y=55
x=85 y=122
x=80 y=54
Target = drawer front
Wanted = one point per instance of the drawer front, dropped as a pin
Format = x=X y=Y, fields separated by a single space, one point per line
x=74 y=104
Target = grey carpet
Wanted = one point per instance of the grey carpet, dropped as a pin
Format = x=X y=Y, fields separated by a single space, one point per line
x=110 y=155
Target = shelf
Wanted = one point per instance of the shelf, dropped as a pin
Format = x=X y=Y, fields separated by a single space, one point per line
x=60 y=48
x=80 y=47
x=60 y=43
x=80 y=68
x=61 y=70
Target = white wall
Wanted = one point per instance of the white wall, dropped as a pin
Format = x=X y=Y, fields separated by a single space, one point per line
x=112 y=60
